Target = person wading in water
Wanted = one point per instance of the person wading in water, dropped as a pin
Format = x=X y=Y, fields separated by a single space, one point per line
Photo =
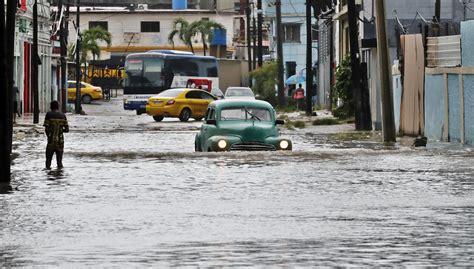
x=55 y=124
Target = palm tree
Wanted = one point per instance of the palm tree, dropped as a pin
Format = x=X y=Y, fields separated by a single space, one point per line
x=184 y=32
x=90 y=43
x=90 y=38
x=206 y=29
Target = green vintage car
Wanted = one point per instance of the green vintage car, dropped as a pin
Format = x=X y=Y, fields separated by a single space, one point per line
x=240 y=124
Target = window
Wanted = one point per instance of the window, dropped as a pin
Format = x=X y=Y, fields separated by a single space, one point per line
x=206 y=96
x=193 y=95
x=211 y=114
x=102 y=24
x=150 y=26
x=291 y=32
x=244 y=113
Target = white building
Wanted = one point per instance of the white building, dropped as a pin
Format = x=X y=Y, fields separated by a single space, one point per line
x=143 y=29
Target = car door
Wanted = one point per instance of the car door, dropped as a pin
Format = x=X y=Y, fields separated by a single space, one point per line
x=208 y=130
x=206 y=100
x=193 y=100
x=71 y=90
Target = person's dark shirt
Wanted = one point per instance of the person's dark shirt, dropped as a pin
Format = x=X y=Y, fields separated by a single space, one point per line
x=55 y=124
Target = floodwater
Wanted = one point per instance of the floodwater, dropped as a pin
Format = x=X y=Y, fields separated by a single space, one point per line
x=133 y=193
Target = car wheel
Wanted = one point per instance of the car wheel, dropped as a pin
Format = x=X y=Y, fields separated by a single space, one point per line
x=158 y=118
x=185 y=114
x=86 y=99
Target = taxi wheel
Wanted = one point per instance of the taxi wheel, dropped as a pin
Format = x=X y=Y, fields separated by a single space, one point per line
x=185 y=114
x=158 y=118
x=86 y=99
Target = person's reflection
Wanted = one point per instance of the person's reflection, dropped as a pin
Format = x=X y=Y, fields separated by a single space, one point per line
x=5 y=188
x=55 y=174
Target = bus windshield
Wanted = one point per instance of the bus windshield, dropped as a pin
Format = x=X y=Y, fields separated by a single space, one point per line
x=144 y=72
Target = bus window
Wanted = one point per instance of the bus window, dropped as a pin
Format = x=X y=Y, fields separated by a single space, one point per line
x=152 y=72
x=208 y=68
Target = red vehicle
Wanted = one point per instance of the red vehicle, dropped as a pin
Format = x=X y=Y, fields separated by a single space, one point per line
x=204 y=84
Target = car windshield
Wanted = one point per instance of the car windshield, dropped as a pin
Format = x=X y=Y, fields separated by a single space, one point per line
x=245 y=113
x=170 y=93
x=239 y=92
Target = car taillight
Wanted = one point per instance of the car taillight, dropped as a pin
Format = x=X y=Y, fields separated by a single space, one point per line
x=170 y=102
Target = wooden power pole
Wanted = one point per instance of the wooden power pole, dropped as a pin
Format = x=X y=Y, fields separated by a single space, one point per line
x=259 y=33
x=309 y=60
x=388 y=124
x=279 y=33
x=35 y=65
x=78 y=59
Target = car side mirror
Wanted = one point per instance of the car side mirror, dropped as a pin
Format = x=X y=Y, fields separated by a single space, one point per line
x=212 y=122
x=281 y=122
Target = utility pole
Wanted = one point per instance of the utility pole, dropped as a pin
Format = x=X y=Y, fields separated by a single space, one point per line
x=35 y=65
x=279 y=33
x=254 y=36
x=259 y=32
x=388 y=125
x=7 y=47
x=4 y=100
x=362 y=115
x=438 y=11
x=78 y=59
x=63 y=35
x=249 y=47
x=309 y=60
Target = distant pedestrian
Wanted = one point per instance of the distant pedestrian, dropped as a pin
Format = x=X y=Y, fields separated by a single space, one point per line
x=55 y=124
x=15 y=95
x=299 y=96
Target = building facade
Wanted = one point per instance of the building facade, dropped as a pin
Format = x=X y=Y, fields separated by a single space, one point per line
x=294 y=37
x=47 y=76
x=142 y=29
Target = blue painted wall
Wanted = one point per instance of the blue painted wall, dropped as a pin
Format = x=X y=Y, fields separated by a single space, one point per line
x=467 y=43
x=454 y=109
x=434 y=107
x=469 y=108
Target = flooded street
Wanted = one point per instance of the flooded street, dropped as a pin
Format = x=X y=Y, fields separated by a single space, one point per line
x=134 y=193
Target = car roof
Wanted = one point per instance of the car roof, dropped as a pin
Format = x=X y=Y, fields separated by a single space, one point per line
x=219 y=104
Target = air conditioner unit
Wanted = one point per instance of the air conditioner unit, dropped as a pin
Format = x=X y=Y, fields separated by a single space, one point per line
x=142 y=7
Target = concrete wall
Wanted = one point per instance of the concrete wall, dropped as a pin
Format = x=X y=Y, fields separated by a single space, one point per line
x=232 y=73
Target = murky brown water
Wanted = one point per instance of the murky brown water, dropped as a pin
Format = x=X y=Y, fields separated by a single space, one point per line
x=144 y=198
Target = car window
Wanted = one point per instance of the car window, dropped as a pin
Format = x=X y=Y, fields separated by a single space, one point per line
x=206 y=96
x=211 y=114
x=170 y=93
x=193 y=95
x=83 y=85
x=71 y=85
x=239 y=92
x=243 y=113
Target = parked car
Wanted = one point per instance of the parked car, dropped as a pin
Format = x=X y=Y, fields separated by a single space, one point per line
x=181 y=103
x=88 y=92
x=239 y=92
x=239 y=124
x=217 y=93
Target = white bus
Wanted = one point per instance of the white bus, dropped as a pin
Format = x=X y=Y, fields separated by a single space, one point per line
x=149 y=73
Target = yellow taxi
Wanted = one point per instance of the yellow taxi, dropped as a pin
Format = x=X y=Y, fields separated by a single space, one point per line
x=181 y=103
x=88 y=92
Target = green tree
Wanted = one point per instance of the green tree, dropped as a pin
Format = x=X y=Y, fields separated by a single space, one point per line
x=181 y=27
x=206 y=29
x=265 y=81
x=90 y=42
x=342 y=90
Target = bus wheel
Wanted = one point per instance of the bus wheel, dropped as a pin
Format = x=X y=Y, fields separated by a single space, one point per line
x=185 y=114
x=158 y=118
